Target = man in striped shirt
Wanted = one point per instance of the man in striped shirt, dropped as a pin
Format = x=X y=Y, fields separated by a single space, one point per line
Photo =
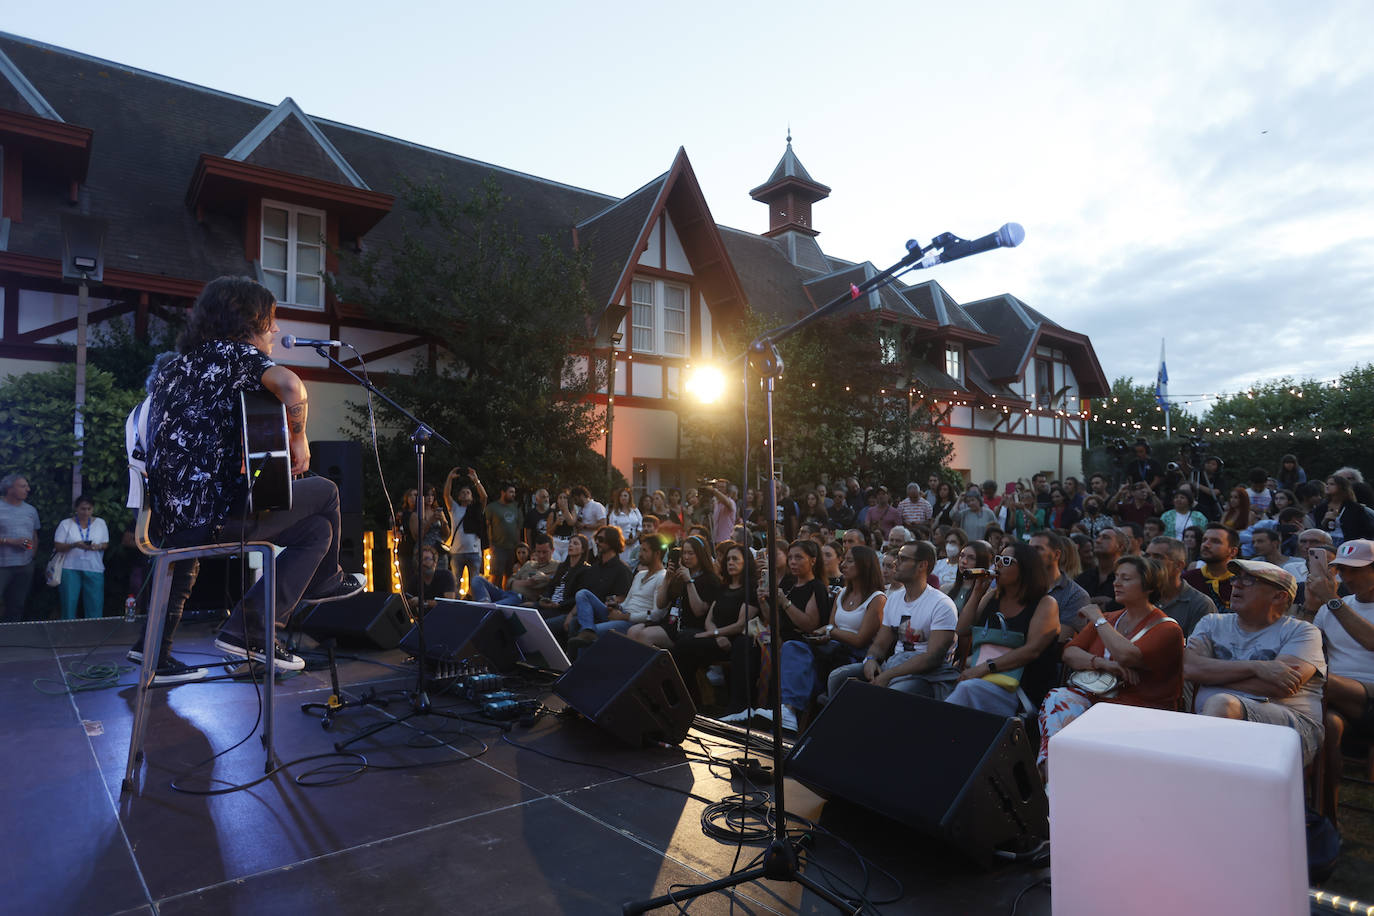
x=915 y=509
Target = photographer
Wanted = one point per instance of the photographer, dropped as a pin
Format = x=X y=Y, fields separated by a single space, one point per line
x=1144 y=468
x=1210 y=486
x=723 y=509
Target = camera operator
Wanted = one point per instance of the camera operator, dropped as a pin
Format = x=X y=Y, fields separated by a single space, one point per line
x=1210 y=485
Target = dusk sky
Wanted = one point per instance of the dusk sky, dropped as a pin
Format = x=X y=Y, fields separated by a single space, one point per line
x=1195 y=171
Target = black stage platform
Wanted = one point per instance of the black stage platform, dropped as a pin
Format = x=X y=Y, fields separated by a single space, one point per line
x=507 y=831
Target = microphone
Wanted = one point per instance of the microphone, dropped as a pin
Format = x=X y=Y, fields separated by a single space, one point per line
x=291 y=340
x=954 y=248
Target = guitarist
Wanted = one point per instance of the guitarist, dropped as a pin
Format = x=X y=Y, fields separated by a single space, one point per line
x=195 y=467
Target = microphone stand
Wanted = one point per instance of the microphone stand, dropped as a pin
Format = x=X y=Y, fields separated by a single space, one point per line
x=420 y=704
x=780 y=861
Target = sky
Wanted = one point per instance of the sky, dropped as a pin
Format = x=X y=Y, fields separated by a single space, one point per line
x=1198 y=172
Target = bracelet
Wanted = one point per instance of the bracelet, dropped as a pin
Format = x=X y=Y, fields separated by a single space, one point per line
x=716 y=632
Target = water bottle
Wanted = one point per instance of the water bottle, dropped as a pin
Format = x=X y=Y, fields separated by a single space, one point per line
x=130 y=609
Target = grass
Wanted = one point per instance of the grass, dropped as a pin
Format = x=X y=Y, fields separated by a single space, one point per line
x=1354 y=874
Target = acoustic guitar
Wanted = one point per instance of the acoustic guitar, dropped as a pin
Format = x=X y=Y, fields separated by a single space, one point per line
x=266 y=449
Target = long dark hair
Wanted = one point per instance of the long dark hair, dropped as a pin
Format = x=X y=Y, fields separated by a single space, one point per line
x=1033 y=578
x=750 y=574
x=229 y=308
x=868 y=570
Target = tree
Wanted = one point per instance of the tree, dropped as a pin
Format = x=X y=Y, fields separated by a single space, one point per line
x=1130 y=410
x=36 y=414
x=507 y=313
x=838 y=410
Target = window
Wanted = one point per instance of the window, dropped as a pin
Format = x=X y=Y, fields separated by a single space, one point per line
x=642 y=299
x=293 y=254
x=658 y=317
x=1044 y=382
x=954 y=362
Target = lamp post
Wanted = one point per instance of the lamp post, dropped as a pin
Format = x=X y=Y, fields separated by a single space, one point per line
x=616 y=338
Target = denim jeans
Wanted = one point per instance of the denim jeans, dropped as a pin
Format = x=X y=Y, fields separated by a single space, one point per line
x=482 y=590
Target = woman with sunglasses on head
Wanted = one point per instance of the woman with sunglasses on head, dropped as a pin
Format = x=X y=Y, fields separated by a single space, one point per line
x=1139 y=646
x=687 y=591
x=1018 y=602
x=726 y=621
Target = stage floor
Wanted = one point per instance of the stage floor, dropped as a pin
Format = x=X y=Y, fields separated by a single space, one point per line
x=474 y=824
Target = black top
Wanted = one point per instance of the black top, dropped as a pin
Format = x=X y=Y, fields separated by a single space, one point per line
x=605 y=579
x=1038 y=676
x=800 y=596
x=708 y=586
x=728 y=603
x=564 y=585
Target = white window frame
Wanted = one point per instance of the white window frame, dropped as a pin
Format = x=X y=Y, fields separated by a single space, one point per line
x=656 y=331
x=954 y=355
x=293 y=242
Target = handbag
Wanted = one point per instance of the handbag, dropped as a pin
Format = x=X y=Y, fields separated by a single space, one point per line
x=52 y=573
x=1103 y=685
x=990 y=643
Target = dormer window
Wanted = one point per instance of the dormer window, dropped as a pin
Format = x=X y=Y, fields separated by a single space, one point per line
x=954 y=362
x=658 y=317
x=293 y=254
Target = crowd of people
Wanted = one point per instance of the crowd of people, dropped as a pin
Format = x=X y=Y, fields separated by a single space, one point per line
x=1037 y=598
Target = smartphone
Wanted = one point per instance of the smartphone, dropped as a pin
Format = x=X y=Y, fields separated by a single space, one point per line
x=1316 y=561
x=674 y=556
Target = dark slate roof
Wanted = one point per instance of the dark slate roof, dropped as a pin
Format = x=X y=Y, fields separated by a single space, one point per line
x=789 y=166
x=771 y=282
x=150 y=131
x=287 y=140
x=1006 y=317
x=17 y=93
x=613 y=232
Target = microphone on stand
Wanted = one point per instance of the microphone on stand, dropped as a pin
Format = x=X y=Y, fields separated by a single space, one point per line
x=291 y=340
x=953 y=248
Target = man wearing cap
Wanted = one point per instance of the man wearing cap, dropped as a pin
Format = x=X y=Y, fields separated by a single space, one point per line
x=1259 y=664
x=1347 y=625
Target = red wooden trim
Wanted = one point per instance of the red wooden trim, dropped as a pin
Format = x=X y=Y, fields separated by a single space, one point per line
x=11 y=328
x=52 y=353
x=210 y=168
x=69 y=324
x=46 y=130
x=1005 y=437
x=14 y=187
x=664 y=274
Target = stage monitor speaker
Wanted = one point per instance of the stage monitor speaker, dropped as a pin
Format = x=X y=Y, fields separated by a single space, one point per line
x=633 y=691
x=371 y=619
x=959 y=774
x=462 y=629
x=342 y=462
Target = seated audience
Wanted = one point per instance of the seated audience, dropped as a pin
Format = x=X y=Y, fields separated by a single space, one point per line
x=1258 y=663
x=605 y=578
x=531 y=581
x=726 y=621
x=687 y=591
x=947 y=567
x=1019 y=604
x=1070 y=597
x=1185 y=604
x=566 y=577
x=911 y=650
x=1220 y=545
x=1139 y=645
x=638 y=604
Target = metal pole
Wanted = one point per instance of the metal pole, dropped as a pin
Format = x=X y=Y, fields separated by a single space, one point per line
x=83 y=303
x=610 y=417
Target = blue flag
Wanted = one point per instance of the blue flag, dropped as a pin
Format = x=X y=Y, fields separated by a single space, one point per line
x=1162 y=381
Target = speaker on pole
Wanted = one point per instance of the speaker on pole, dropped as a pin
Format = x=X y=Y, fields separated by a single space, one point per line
x=372 y=619
x=342 y=462
x=633 y=691
x=948 y=771
x=462 y=629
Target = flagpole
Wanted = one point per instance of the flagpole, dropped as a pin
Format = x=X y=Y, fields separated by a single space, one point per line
x=1162 y=391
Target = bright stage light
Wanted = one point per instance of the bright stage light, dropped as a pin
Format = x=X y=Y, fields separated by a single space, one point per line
x=705 y=384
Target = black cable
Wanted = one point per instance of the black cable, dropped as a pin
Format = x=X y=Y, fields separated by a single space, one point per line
x=1025 y=890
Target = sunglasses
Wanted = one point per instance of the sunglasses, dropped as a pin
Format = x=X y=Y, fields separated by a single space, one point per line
x=1001 y=560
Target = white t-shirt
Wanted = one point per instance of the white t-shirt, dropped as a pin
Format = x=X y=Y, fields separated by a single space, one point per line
x=1345 y=656
x=639 y=600
x=593 y=514
x=463 y=541
x=914 y=620
x=78 y=558
x=629 y=523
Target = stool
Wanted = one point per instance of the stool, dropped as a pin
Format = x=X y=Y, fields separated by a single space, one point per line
x=265 y=555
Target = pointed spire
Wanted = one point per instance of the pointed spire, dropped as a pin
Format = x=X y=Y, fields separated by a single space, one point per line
x=789 y=193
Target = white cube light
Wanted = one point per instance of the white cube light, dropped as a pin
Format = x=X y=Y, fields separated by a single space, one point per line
x=1161 y=812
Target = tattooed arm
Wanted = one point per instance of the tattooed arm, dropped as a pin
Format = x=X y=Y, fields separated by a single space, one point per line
x=290 y=390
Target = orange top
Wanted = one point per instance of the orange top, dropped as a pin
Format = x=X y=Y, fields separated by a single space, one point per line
x=1161 y=671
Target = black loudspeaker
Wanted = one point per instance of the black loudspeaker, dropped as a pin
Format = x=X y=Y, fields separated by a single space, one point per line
x=633 y=691
x=371 y=619
x=463 y=629
x=342 y=462
x=959 y=774
x=351 y=542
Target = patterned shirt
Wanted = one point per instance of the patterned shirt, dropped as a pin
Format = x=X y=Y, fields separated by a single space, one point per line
x=195 y=462
x=914 y=512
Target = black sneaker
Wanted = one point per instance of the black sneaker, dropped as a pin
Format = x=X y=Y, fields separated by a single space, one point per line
x=282 y=659
x=174 y=672
x=135 y=654
x=350 y=584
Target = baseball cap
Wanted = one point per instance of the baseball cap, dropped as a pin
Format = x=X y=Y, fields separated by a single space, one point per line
x=1358 y=552
x=1266 y=572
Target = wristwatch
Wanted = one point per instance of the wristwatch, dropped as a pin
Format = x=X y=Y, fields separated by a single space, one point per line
x=1334 y=605
x=1100 y=622
x=992 y=667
